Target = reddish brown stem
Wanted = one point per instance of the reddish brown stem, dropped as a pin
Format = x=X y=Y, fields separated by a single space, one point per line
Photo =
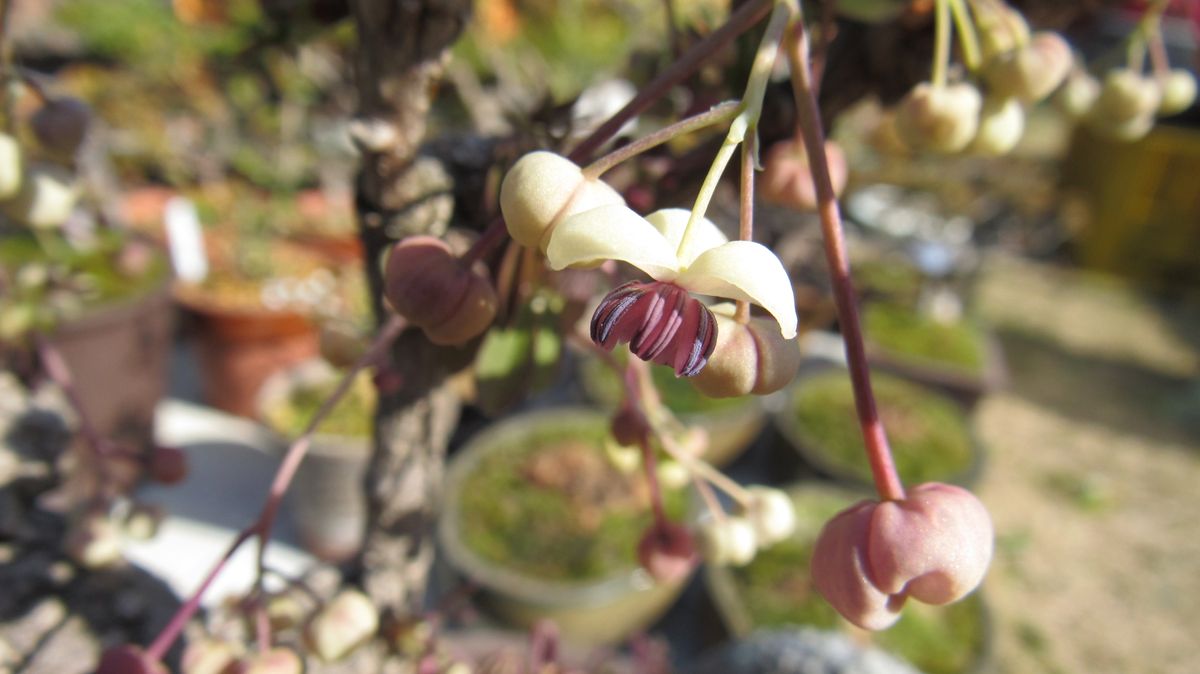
x=883 y=468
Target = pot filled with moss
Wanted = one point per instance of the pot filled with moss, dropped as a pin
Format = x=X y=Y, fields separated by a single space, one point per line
x=731 y=424
x=326 y=502
x=537 y=516
x=957 y=356
x=930 y=434
x=775 y=589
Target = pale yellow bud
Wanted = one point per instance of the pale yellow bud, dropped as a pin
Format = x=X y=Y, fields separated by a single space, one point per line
x=939 y=119
x=542 y=189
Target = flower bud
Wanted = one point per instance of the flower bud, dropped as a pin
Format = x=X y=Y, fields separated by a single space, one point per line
x=1178 y=92
x=934 y=546
x=208 y=656
x=667 y=552
x=728 y=540
x=274 y=661
x=787 y=178
x=1031 y=72
x=168 y=465
x=345 y=623
x=1000 y=28
x=61 y=125
x=1126 y=95
x=126 y=659
x=672 y=474
x=93 y=541
x=771 y=513
x=142 y=521
x=541 y=189
x=1078 y=94
x=623 y=457
x=46 y=199
x=629 y=426
x=940 y=119
x=751 y=357
x=429 y=286
x=10 y=167
x=1001 y=124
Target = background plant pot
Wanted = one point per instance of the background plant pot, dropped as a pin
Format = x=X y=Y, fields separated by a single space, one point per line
x=731 y=424
x=326 y=501
x=967 y=388
x=852 y=469
x=238 y=349
x=118 y=357
x=598 y=611
x=775 y=590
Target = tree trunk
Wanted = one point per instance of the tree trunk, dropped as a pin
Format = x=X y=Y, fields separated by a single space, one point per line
x=402 y=51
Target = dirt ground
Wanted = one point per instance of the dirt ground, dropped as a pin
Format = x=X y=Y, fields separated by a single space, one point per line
x=1094 y=475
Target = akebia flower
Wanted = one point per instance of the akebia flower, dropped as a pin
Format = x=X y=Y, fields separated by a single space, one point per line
x=933 y=546
x=661 y=320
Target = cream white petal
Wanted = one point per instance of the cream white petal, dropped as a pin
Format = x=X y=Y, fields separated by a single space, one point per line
x=744 y=270
x=612 y=232
x=672 y=222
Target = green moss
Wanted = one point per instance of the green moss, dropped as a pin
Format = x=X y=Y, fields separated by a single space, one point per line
x=888 y=277
x=903 y=332
x=677 y=392
x=776 y=590
x=352 y=417
x=929 y=434
x=561 y=532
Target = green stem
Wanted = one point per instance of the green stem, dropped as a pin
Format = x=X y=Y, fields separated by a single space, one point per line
x=966 y=31
x=747 y=119
x=941 y=44
x=722 y=112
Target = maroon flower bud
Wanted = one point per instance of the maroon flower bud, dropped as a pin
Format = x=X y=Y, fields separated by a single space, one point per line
x=126 y=659
x=427 y=284
x=61 y=124
x=667 y=552
x=662 y=323
x=629 y=426
x=168 y=465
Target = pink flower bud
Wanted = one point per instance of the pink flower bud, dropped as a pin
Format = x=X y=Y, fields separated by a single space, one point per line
x=126 y=659
x=787 y=178
x=933 y=546
x=751 y=357
x=427 y=284
x=1031 y=72
x=667 y=552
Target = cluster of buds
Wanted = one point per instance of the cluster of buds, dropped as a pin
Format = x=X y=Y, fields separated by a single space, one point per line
x=579 y=222
x=38 y=187
x=431 y=286
x=1126 y=104
x=934 y=546
x=766 y=517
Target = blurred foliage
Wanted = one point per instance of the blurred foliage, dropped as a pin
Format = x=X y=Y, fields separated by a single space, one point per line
x=353 y=416
x=908 y=333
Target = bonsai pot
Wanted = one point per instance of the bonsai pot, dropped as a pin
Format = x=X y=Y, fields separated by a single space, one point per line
x=930 y=433
x=732 y=424
x=549 y=534
x=959 y=358
x=775 y=589
x=326 y=502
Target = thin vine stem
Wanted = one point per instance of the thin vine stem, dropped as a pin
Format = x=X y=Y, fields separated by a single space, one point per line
x=941 y=43
x=972 y=55
x=722 y=112
x=879 y=455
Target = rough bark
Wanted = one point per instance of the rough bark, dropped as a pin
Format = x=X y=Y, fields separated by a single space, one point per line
x=402 y=52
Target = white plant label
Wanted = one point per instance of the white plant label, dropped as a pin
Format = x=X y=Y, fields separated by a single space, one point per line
x=185 y=240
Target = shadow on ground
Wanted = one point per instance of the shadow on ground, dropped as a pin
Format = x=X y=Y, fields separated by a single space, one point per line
x=1120 y=395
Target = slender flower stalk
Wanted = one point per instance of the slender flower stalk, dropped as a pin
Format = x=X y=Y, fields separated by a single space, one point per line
x=941 y=43
x=883 y=468
x=721 y=112
x=972 y=55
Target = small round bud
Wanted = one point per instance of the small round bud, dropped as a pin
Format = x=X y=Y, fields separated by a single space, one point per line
x=427 y=284
x=787 y=178
x=208 y=656
x=10 y=167
x=126 y=659
x=1178 y=92
x=93 y=541
x=273 y=661
x=667 y=552
x=1126 y=95
x=168 y=465
x=1126 y=131
x=142 y=521
x=1031 y=72
x=1078 y=94
x=61 y=125
x=771 y=513
x=541 y=189
x=751 y=357
x=46 y=199
x=629 y=426
x=728 y=540
x=623 y=457
x=1000 y=28
x=939 y=119
x=342 y=625
x=672 y=474
x=1001 y=124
